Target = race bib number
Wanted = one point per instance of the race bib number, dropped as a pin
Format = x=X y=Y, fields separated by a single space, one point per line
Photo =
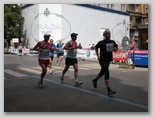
x=109 y=47
x=74 y=52
x=45 y=52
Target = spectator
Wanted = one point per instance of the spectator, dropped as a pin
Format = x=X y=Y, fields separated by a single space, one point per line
x=133 y=44
x=92 y=47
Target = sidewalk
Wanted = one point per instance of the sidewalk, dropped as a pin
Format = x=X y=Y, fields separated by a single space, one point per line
x=136 y=68
x=116 y=65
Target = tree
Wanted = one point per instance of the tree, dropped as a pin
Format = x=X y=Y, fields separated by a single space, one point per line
x=13 y=21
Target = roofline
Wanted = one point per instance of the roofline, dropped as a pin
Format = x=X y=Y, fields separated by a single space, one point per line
x=103 y=9
x=27 y=5
x=90 y=6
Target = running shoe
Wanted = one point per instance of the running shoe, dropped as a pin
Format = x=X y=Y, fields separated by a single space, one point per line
x=40 y=84
x=62 y=80
x=50 y=71
x=58 y=64
x=78 y=83
x=110 y=92
x=94 y=81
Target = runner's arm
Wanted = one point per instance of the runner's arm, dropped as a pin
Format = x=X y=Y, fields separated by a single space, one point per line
x=68 y=46
x=115 y=47
x=96 y=51
x=79 y=46
x=37 y=47
x=97 y=46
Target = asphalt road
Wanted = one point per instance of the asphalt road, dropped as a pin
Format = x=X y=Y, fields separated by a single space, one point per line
x=22 y=94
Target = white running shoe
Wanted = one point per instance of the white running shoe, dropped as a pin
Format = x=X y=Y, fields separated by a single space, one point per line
x=78 y=83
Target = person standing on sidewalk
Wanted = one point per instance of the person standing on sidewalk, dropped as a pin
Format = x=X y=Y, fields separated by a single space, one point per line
x=133 y=48
x=106 y=47
x=71 y=58
x=44 y=48
x=133 y=44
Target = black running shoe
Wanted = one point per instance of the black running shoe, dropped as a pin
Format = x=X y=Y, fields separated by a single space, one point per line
x=62 y=80
x=78 y=83
x=110 y=92
x=40 y=84
x=94 y=81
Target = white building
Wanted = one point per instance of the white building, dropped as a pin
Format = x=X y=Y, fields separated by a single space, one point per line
x=61 y=20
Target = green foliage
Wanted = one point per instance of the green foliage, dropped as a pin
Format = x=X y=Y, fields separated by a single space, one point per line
x=13 y=21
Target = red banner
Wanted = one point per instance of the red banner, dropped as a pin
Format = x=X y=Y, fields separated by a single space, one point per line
x=119 y=55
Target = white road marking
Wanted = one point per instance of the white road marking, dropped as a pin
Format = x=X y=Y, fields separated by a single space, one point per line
x=30 y=70
x=90 y=66
x=14 y=73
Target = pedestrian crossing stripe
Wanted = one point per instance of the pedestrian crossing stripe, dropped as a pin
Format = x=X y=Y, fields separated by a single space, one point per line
x=38 y=70
x=81 y=67
x=91 y=67
x=53 y=68
x=31 y=70
x=14 y=73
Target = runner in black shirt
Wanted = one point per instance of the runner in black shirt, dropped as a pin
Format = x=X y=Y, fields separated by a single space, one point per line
x=106 y=47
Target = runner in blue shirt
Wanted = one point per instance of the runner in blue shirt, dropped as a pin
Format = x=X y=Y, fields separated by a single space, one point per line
x=51 y=55
x=60 y=53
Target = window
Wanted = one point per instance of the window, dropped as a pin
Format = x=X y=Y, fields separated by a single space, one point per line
x=138 y=21
x=107 y=5
x=112 y=6
x=137 y=8
x=147 y=9
x=130 y=7
x=122 y=7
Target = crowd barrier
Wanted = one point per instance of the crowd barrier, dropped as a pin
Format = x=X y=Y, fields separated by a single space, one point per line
x=140 y=57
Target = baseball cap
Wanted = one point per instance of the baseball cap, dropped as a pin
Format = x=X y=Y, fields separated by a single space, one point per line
x=74 y=34
x=46 y=34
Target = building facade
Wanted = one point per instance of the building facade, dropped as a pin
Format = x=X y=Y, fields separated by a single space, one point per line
x=138 y=21
x=88 y=21
x=139 y=24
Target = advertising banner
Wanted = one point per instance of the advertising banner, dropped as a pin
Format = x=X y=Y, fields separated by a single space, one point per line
x=119 y=55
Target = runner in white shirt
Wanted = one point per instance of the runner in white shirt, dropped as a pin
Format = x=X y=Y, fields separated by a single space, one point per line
x=44 y=49
x=71 y=58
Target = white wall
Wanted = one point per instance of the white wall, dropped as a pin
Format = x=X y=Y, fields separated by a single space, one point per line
x=29 y=15
x=36 y=23
x=66 y=18
x=87 y=23
x=51 y=23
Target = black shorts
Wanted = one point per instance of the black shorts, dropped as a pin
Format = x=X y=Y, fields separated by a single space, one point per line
x=20 y=51
x=104 y=69
x=71 y=61
x=60 y=54
x=52 y=57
